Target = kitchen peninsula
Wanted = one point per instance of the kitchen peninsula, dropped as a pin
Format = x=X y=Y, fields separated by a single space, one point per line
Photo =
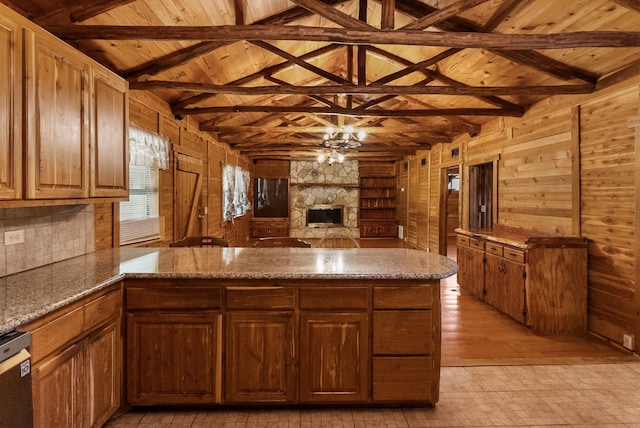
x=241 y=325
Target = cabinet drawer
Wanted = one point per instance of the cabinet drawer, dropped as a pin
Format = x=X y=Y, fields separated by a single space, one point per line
x=476 y=243
x=401 y=332
x=98 y=311
x=462 y=240
x=56 y=333
x=333 y=298
x=402 y=379
x=492 y=248
x=177 y=297
x=513 y=254
x=248 y=298
x=409 y=297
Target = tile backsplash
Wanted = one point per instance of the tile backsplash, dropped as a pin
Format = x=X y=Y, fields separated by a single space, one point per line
x=51 y=234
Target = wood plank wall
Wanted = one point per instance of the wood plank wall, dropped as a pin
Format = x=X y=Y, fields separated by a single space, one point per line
x=569 y=166
x=609 y=192
x=154 y=115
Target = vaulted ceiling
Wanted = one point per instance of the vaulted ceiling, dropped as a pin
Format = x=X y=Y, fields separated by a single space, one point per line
x=268 y=76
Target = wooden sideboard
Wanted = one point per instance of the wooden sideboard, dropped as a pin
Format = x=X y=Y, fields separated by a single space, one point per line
x=539 y=280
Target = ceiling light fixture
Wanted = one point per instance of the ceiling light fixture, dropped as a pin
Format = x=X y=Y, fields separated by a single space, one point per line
x=338 y=141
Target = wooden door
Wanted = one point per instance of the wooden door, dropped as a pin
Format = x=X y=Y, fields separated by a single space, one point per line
x=259 y=357
x=188 y=182
x=57 y=119
x=334 y=357
x=109 y=145
x=104 y=374
x=58 y=390
x=10 y=110
x=172 y=357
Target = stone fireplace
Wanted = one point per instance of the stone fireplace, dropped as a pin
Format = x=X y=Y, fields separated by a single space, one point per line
x=314 y=185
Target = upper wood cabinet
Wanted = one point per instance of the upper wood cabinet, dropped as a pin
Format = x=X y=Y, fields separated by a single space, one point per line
x=57 y=122
x=109 y=149
x=10 y=109
x=63 y=119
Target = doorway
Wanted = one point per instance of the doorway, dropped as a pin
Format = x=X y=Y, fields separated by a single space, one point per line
x=188 y=186
x=449 y=210
x=481 y=202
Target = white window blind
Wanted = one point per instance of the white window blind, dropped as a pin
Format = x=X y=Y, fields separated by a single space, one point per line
x=139 y=219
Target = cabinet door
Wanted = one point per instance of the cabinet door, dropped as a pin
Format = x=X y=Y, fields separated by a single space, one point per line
x=109 y=142
x=514 y=290
x=334 y=357
x=10 y=110
x=58 y=390
x=494 y=281
x=104 y=374
x=471 y=270
x=280 y=228
x=173 y=358
x=259 y=357
x=57 y=125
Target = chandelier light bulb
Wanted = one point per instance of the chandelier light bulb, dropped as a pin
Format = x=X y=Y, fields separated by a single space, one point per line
x=321 y=158
x=361 y=135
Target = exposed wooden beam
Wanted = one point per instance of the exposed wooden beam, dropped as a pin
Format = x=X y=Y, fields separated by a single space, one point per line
x=442 y=14
x=79 y=11
x=238 y=7
x=535 y=60
x=372 y=89
x=350 y=112
x=388 y=16
x=182 y=56
x=629 y=4
x=332 y=14
x=581 y=39
x=284 y=130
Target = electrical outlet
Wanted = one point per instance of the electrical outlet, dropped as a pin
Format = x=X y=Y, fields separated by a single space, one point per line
x=627 y=341
x=14 y=237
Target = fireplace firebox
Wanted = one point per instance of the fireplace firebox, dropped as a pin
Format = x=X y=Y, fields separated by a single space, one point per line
x=324 y=216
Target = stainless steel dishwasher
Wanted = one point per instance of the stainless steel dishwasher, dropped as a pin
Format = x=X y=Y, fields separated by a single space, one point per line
x=16 y=409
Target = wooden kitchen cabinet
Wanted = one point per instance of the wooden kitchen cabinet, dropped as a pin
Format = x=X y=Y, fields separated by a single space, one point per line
x=406 y=345
x=172 y=357
x=63 y=120
x=539 y=280
x=471 y=265
x=173 y=342
x=334 y=344
x=10 y=109
x=109 y=154
x=77 y=362
x=57 y=119
x=260 y=356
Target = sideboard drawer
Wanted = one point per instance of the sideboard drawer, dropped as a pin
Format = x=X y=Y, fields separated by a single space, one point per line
x=462 y=240
x=476 y=243
x=410 y=297
x=513 y=254
x=334 y=298
x=495 y=249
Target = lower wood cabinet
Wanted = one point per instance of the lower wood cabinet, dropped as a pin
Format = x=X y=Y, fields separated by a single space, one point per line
x=77 y=362
x=259 y=357
x=282 y=342
x=269 y=228
x=334 y=360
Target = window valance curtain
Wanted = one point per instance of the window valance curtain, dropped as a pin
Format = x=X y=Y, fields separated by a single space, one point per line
x=147 y=148
x=235 y=192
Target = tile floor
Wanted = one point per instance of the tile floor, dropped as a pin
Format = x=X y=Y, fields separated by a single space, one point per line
x=590 y=395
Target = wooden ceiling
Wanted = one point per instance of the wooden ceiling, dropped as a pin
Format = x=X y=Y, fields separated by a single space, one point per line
x=268 y=76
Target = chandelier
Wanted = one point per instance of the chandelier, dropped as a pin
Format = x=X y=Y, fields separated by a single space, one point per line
x=338 y=141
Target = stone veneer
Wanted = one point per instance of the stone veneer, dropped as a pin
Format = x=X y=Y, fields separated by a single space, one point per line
x=51 y=234
x=314 y=183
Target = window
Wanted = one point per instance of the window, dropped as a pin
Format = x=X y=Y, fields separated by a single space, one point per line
x=140 y=215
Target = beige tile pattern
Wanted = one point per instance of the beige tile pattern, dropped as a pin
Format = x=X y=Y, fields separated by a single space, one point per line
x=51 y=234
x=587 y=395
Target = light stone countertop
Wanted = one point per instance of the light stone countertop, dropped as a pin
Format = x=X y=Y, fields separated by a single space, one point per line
x=28 y=295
